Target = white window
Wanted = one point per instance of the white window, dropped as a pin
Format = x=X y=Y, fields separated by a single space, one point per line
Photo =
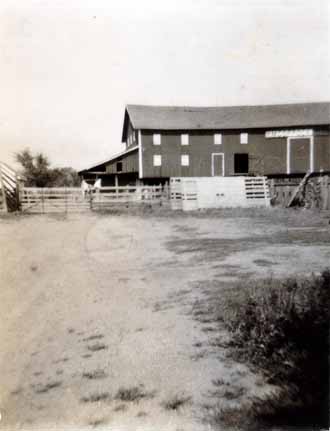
x=156 y=139
x=185 y=160
x=244 y=138
x=157 y=160
x=217 y=139
x=184 y=139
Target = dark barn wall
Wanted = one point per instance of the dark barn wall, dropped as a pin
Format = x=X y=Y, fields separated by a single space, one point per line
x=130 y=164
x=134 y=134
x=266 y=156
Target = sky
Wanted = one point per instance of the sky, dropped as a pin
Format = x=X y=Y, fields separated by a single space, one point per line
x=69 y=67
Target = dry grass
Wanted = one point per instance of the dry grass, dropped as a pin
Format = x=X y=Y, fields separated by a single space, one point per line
x=94 y=337
x=282 y=330
x=97 y=347
x=95 y=374
x=176 y=402
x=133 y=394
x=97 y=422
x=42 y=389
x=95 y=397
x=120 y=408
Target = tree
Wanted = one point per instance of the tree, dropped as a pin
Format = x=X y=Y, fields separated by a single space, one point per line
x=38 y=173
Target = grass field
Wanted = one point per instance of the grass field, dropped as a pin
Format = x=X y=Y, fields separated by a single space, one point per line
x=103 y=321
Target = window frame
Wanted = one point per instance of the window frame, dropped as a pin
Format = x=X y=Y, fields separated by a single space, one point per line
x=184 y=139
x=244 y=138
x=157 y=157
x=156 y=139
x=185 y=157
x=217 y=139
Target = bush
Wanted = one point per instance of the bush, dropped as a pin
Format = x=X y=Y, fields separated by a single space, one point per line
x=283 y=328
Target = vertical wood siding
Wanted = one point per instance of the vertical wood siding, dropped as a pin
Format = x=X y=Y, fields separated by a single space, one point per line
x=130 y=163
x=266 y=156
x=134 y=134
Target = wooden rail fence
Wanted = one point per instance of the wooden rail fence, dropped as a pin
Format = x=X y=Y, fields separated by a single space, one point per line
x=61 y=199
x=315 y=192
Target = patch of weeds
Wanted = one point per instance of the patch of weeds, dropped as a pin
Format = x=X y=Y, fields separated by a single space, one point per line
x=234 y=392
x=58 y=361
x=220 y=382
x=176 y=402
x=264 y=262
x=17 y=391
x=282 y=329
x=232 y=418
x=97 y=422
x=133 y=394
x=37 y=373
x=94 y=337
x=42 y=389
x=86 y=355
x=59 y=372
x=199 y=355
x=95 y=374
x=97 y=347
x=209 y=329
x=71 y=330
x=141 y=414
x=120 y=408
x=198 y=344
x=95 y=397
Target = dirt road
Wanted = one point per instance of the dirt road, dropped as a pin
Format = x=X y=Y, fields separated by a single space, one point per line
x=96 y=322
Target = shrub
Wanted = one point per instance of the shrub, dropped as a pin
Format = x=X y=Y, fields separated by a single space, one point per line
x=283 y=328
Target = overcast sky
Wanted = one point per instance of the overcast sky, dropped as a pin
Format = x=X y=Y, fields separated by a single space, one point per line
x=68 y=67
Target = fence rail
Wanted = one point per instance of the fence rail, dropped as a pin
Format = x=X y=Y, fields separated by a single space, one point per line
x=314 y=194
x=61 y=199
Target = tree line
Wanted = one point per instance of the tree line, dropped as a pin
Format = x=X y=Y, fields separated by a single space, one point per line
x=37 y=171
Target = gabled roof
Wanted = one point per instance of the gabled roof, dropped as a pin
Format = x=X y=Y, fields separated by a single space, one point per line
x=100 y=165
x=226 y=117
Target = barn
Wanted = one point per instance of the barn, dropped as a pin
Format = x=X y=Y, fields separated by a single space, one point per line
x=175 y=141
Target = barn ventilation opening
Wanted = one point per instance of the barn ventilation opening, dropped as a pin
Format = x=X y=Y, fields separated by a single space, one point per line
x=241 y=163
x=119 y=166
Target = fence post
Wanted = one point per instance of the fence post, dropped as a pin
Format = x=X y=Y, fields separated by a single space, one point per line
x=42 y=200
x=325 y=192
x=18 y=192
x=2 y=186
x=90 y=200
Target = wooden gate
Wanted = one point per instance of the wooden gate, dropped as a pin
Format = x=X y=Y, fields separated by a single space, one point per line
x=62 y=199
x=53 y=199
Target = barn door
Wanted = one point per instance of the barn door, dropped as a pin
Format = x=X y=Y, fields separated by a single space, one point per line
x=299 y=155
x=218 y=165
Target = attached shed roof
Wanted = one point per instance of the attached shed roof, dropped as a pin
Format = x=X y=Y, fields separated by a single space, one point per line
x=99 y=166
x=226 y=117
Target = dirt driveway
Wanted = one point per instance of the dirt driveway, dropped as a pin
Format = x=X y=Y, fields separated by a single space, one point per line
x=96 y=312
